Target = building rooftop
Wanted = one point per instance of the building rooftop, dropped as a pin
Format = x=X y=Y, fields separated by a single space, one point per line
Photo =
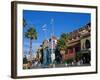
x=81 y=32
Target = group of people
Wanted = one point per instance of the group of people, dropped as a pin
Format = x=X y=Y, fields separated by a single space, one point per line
x=48 y=55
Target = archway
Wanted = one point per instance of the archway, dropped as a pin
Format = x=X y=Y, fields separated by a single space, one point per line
x=87 y=44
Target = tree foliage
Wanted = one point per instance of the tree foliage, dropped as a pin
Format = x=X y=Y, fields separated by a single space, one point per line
x=62 y=41
x=31 y=33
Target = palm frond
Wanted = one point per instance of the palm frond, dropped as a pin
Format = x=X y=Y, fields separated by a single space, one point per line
x=31 y=33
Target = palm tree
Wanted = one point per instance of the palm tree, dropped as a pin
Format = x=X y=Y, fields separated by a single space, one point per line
x=62 y=42
x=32 y=35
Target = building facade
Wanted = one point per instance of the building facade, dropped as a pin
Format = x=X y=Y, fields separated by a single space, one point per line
x=79 y=44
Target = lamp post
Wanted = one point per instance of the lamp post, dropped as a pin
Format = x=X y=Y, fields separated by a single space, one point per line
x=44 y=29
x=52 y=44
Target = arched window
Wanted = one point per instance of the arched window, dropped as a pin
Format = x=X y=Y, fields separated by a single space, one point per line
x=87 y=44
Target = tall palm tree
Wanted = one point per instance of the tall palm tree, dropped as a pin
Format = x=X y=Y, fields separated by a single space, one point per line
x=32 y=35
x=62 y=44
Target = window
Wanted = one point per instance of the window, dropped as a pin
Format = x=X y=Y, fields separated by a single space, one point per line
x=87 y=44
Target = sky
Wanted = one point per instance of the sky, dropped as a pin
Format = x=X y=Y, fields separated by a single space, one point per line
x=57 y=22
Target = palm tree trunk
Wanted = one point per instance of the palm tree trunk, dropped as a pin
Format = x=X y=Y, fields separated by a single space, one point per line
x=30 y=49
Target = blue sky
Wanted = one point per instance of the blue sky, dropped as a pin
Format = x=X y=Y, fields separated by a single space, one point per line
x=63 y=22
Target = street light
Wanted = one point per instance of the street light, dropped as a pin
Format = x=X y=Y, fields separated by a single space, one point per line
x=52 y=44
x=44 y=29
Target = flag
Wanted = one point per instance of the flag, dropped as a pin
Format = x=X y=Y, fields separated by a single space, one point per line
x=44 y=27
